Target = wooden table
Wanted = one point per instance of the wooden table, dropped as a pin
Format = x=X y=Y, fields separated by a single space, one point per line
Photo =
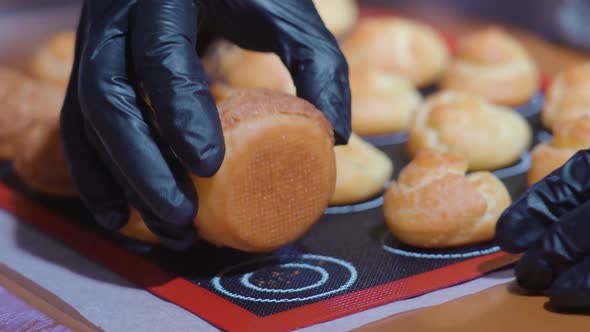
x=502 y=308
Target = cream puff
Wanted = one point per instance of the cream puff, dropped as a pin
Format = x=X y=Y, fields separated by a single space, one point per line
x=244 y=69
x=382 y=102
x=24 y=102
x=488 y=136
x=40 y=160
x=339 y=16
x=363 y=172
x=433 y=204
x=277 y=177
x=399 y=45
x=568 y=96
x=568 y=138
x=54 y=59
x=494 y=65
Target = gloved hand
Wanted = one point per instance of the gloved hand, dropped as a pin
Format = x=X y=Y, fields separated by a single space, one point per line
x=551 y=223
x=138 y=113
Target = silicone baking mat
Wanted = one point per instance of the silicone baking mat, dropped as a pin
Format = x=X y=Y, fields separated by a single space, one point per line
x=347 y=263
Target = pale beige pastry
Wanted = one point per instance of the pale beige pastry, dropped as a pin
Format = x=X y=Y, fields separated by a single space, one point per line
x=399 y=45
x=362 y=172
x=23 y=102
x=568 y=96
x=434 y=204
x=494 y=65
x=54 y=59
x=339 y=16
x=245 y=69
x=277 y=177
x=487 y=135
x=382 y=102
x=40 y=161
x=568 y=138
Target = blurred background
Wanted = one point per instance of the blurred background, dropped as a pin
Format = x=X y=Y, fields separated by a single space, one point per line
x=560 y=21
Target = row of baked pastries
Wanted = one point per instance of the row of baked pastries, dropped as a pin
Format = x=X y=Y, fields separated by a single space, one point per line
x=26 y=104
x=390 y=58
x=263 y=197
x=489 y=63
x=434 y=203
x=29 y=122
x=387 y=55
x=461 y=120
x=384 y=99
x=566 y=115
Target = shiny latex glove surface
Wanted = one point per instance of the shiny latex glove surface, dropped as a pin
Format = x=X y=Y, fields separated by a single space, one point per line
x=121 y=151
x=551 y=224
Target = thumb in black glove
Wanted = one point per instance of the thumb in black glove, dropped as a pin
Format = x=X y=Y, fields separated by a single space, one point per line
x=551 y=223
x=121 y=152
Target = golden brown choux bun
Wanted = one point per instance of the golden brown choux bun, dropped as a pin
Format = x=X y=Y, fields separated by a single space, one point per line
x=245 y=69
x=488 y=136
x=568 y=138
x=494 y=65
x=568 y=96
x=339 y=16
x=24 y=101
x=434 y=204
x=40 y=161
x=362 y=172
x=277 y=177
x=399 y=45
x=53 y=61
x=382 y=103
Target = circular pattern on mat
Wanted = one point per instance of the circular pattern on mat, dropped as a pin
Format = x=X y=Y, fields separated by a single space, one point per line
x=303 y=278
x=450 y=254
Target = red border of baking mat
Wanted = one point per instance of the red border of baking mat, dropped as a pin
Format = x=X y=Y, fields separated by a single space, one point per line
x=215 y=309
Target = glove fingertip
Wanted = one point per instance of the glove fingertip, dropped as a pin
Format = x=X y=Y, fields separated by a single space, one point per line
x=112 y=218
x=506 y=237
x=533 y=273
x=571 y=290
x=176 y=230
x=207 y=160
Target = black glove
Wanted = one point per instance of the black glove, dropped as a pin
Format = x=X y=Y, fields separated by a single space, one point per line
x=551 y=223
x=133 y=53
